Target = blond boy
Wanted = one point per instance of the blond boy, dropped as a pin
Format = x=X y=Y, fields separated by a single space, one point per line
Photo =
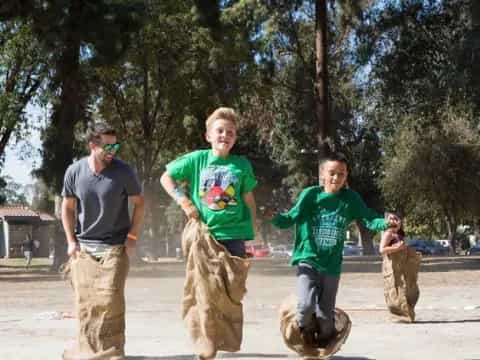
x=220 y=183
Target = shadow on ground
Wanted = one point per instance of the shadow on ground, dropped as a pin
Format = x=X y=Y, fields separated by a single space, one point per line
x=423 y=322
x=250 y=355
x=220 y=356
x=236 y=356
x=172 y=357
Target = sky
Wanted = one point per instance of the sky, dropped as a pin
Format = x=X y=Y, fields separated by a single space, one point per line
x=17 y=168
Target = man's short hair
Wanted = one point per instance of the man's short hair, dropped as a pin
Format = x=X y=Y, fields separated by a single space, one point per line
x=224 y=113
x=97 y=129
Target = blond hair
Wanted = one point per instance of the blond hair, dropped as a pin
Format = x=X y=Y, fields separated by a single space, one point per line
x=223 y=113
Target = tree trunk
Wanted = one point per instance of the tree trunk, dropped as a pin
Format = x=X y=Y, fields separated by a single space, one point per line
x=60 y=242
x=451 y=229
x=151 y=236
x=476 y=228
x=59 y=137
x=366 y=239
x=321 y=76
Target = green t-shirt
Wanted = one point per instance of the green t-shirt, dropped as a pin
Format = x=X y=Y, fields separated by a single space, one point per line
x=321 y=220
x=217 y=186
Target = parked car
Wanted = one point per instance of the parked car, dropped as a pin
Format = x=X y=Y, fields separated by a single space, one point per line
x=257 y=250
x=437 y=249
x=351 y=248
x=428 y=247
x=474 y=250
x=444 y=242
x=281 y=251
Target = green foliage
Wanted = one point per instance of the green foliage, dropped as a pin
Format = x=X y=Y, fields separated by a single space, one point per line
x=43 y=199
x=22 y=74
x=421 y=98
x=11 y=192
x=3 y=197
x=289 y=128
x=80 y=34
x=404 y=93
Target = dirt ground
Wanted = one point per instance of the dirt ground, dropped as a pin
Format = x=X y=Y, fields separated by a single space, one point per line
x=448 y=313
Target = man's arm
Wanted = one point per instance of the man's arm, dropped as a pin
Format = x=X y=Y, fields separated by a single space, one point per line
x=252 y=206
x=137 y=221
x=69 y=210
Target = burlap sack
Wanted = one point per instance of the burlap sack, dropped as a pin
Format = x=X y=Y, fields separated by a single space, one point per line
x=213 y=291
x=400 y=274
x=100 y=305
x=293 y=340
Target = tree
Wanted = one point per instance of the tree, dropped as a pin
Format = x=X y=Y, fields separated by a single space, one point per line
x=22 y=73
x=423 y=101
x=438 y=167
x=12 y=192
x=160 y=112
x=80 y=33
x=43 y=199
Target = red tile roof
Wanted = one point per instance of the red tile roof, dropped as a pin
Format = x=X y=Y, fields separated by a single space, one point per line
x=23 y=211
x=47 y=217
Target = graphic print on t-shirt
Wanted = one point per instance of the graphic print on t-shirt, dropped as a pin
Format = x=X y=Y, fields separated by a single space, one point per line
x=328 y=228
x=217 y=187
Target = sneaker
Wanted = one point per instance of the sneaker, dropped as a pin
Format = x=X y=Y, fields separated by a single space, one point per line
x=324 y=342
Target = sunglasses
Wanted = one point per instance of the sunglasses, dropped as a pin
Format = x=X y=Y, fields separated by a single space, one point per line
x=111 y=147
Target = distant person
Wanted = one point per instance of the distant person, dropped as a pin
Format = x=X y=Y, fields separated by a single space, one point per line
x=393 y=239
x=400 y=272
x=220 y=187
x=321 y=217
x=100 y=236
x=28 y=247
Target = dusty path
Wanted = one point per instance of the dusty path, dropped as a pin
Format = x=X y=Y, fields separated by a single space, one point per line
x=448 y=312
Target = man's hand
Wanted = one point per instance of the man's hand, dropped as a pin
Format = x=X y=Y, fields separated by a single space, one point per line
x=73 y=249
x=130 y=247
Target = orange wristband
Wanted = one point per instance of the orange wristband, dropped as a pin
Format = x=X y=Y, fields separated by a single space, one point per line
x=185 y=203
x=131 y=236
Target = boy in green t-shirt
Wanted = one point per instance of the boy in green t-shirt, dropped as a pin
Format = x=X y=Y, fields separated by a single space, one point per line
x=321 y=217
x=221 y=184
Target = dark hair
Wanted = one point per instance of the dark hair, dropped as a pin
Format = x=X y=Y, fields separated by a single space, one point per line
x=97 y=129
x=400 y=232
x=333 y=156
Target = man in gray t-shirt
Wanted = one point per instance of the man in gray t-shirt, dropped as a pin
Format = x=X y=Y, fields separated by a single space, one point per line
x=98 y=227
x=95 y=194
x=101 y=201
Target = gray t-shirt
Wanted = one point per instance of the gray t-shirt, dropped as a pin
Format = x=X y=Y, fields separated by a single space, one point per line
x=102 y=201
